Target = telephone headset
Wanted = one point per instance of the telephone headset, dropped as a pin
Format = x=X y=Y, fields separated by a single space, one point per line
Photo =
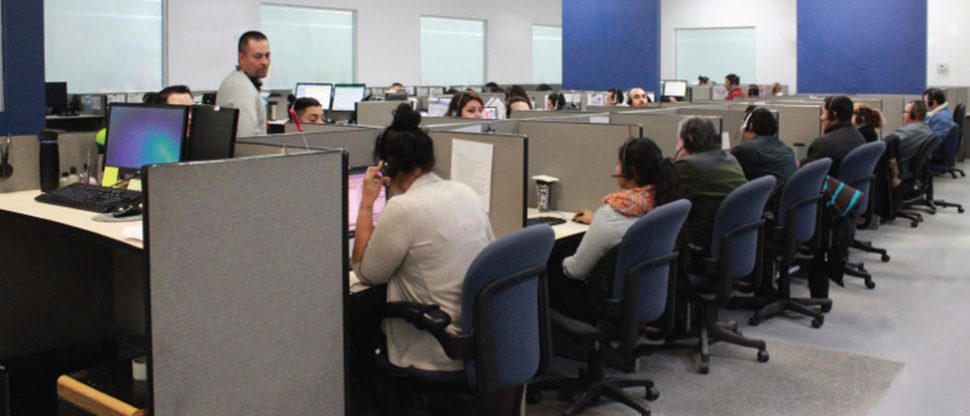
x=625 y=170
x=460 y=104
x=6 y=169
x=746 y=124
x=296 y=120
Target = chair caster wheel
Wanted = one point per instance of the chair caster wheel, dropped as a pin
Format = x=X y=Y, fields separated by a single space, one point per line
x=704 y=368
x=652 y=394
x=960 y=210
x=818 y=321
x=885 y=258
x=763 y=356
x=754 y=321
x=914 y=224
x=826 y=308
x=870 y=285
x=533 y=397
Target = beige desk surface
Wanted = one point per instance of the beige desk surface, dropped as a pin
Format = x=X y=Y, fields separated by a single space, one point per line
x=23 y=203
x=568 y=229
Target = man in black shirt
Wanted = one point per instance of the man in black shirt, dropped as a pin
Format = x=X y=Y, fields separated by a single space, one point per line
x=840 y=136
x=761 y=153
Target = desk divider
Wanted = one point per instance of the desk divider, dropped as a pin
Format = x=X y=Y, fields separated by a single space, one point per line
x=731 y=118
x=376 y=113
x=798 y=123
x=509 y=161
x=24 y=157
x=581 y=155
x=358 y=141
x=320 y=128
x=247 y=285
x=662 y=127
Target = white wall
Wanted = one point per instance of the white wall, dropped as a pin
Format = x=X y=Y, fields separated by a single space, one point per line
x=949 y=37
x=776 y=27
x=202 y=36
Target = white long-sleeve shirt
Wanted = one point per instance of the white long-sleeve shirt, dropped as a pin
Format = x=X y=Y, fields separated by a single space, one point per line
x=421 y=247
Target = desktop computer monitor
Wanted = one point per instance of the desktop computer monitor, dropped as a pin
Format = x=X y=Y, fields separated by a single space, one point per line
x=318 y=91
x=212 y=133
x=144 y=134
x=422 y=91
x=411 y=91
x=56 y=93
x=674 y=88
x=438 y=107
x=355 y=187
x=395 y=96
x=490 y=113
x=346 y=96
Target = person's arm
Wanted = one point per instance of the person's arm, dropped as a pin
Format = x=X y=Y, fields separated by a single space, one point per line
x=599 y=239
x=378 y=252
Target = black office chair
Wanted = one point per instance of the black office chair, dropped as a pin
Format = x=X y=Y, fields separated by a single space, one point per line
x=953 y=137
x=795 y=236
x=857 y=170
x=946 y=164
x=643 y=289
x=916 y=194
x=960 y=118
x=737 y=245
x=504 y=338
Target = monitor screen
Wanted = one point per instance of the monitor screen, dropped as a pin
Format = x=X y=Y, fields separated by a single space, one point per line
x=56 y=95
x=490 y=113
x=144 y=134
x=411 y=91
x=596 y=99
x=346 y=96
x=212 y=133
x=674 y=88
x=422 y=91
x=319 y=92
x=355 y=186
x=438 y=107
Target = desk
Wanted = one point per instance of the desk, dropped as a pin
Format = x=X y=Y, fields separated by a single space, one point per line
x=68 y=219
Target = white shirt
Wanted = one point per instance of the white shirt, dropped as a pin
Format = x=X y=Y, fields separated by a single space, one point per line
x=422 y=247
x=605 y=232
x=238 y=91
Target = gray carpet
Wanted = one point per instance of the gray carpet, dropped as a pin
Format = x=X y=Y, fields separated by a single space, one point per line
x=798 y=380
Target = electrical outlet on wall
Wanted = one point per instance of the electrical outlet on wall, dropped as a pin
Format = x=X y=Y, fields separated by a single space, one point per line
x=942 y=67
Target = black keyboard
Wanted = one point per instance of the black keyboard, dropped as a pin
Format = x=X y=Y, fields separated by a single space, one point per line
x=89 y=197
x=552 y=221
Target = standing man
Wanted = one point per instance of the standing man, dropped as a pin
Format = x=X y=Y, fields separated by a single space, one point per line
x=732 y=83
x=241 y=87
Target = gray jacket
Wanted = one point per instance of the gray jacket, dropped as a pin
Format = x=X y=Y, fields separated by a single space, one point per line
x=911 y=138
x=238 y=91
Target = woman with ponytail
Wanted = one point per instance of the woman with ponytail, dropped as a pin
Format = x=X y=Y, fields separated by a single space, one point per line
x=646 y=180
x=424 y=242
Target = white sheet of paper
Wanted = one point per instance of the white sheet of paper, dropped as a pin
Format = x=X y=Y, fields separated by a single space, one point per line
x=600 y=119
x=471 y=164
x=726 y=140
x=474 y=128
x=133 y=232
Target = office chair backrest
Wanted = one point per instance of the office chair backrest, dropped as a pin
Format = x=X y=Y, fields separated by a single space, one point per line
x=503 y=305
x=858 y=167
x=920 y=166
x=950 y=146
x=651 y=237
x=733 y=226
x=960 y=116
x=804 y=184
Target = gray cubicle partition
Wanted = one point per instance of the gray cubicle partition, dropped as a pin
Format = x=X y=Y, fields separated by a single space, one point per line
x=731 y=118
x=24 y=157
x=662 y=128
x=320 y=128
x=479 y=126
x=247 y=285
x=358 y=141
x=507 y=212
x=798 y=123
x=376 y=113
x=582 y=156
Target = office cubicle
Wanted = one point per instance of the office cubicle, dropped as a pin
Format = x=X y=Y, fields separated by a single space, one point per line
x=229 y=316
x=661 y=127
x=359 y=141
x=581 y=155
x=376 y=113
x=731 y=118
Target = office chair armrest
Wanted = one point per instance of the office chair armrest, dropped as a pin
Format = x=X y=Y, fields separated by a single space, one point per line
x=700 y=262
x=433 y=320
x=428 y=318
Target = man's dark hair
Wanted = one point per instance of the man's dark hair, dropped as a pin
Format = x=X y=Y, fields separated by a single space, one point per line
x=918 y=110
x=248 y=36
x=733 y=79
x=840 y=106
x=699 y=135
x=304 y=103
x=761 y=122
x=543 y=88
x=174 y=89
x=493 y=87
x=934 y=95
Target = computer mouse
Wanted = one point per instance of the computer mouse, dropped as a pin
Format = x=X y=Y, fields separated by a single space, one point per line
x=126 y=210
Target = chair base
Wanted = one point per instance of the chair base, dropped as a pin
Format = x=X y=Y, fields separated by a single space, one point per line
x=869 y=248
x=943 y=204
x=587 y=392
x=804 y=306
x=859 y=270
x=914 y=217
x=711 y=330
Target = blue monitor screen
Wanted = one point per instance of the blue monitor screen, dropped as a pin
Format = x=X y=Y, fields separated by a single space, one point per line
x=140 y=135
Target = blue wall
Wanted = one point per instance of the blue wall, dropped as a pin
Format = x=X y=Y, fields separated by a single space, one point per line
x=611 y=43
x=23 y=67
x=861 y=46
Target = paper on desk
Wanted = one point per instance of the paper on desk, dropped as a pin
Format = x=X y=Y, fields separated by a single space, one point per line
x=475 y=128
x=133 y=232
x=471 y=164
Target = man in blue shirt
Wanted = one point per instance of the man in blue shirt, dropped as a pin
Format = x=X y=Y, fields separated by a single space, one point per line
x=939 y=116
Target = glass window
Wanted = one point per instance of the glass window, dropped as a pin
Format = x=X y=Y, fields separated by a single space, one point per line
x=715 y=53
x=547 y=54
x=452 y=51
x=309 y=45
x=104 y=45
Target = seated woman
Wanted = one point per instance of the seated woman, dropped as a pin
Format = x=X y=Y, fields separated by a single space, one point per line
x=466 y=104
x=646 y=180
x=707 y=174
x=867 y=119
x=427 y=236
